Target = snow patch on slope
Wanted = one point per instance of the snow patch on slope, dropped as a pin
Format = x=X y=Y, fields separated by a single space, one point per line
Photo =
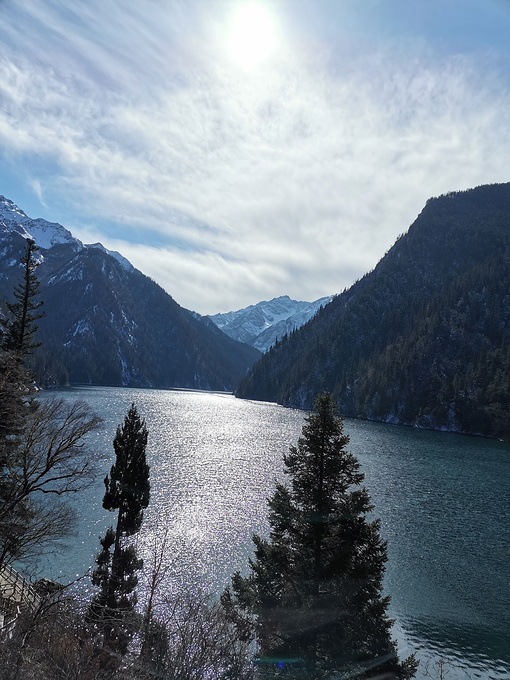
x=49 y=234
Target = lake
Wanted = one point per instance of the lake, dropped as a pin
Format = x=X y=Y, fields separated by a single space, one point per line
x=443 y=500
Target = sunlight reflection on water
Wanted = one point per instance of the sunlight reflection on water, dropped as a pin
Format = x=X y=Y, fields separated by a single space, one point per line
x=442 y=499
x=216 y=461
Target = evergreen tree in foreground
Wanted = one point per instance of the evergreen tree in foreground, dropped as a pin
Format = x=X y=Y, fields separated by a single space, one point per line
x=314 y=594
x=22 y=327
x=127 y=490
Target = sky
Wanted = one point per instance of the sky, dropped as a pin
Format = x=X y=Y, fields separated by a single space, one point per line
x=235 y=151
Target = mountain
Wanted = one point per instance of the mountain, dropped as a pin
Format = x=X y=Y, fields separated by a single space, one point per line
x=423 y=339
x=262 y=324
x=106 y=322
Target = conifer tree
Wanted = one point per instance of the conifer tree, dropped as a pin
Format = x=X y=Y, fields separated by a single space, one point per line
x=314 y=592
x=22 y=326
x=16 y=381
x=128 y=491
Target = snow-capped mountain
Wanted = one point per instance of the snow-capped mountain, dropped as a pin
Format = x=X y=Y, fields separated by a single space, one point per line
x=260 y=325
x=45 y=234
x=120 y=258
x=106 y=322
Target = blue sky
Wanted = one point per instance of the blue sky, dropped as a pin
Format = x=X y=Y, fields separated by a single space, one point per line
x=235 y=157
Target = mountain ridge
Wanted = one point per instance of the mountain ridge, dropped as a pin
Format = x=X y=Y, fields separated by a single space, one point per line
x=260 y=325
x=106 y=322
x=423 y=339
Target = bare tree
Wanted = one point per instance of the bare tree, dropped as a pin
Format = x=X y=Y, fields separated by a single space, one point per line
x=441 y=668
x=50 y=644
x=157 y=575
x=202 y=642
x=50 y=461
x=186 y=634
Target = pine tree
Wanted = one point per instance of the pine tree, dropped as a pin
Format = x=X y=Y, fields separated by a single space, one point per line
x=314 y=594
x=16 y=381
x=128 y=491
x=22 y=327
x=15 y=390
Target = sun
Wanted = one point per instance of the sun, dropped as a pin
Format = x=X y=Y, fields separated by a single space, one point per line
x=252 y=35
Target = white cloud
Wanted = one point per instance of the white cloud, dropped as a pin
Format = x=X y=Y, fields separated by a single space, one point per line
x=38 y=190
x=293 y=178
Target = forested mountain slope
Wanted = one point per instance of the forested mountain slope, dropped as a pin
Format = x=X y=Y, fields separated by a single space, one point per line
x=107 y=323
x=421 y=340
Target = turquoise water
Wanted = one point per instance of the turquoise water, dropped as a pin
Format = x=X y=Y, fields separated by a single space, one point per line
x=443 y=500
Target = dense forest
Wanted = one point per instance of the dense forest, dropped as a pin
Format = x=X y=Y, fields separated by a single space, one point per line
x=421 y=340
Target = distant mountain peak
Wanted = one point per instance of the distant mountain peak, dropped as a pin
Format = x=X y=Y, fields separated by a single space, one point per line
x=260 y=325
x=7 y=208
x=120 y=258
x=45 y=234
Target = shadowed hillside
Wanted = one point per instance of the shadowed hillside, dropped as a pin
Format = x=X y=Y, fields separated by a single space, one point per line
x=421 y=340
x=107 y=323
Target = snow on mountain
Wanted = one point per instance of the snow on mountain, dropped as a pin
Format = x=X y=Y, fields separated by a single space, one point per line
x=120 y=258
x=49 y=234
x=261 y=324
x=9 y=212
x=100 y=325
x=45 y=234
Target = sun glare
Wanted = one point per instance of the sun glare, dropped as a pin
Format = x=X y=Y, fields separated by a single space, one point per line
x=252 y=35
